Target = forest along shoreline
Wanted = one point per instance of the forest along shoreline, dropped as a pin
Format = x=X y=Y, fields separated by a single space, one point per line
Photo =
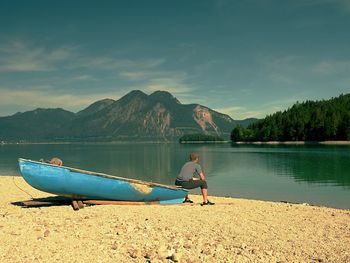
x=296 y=142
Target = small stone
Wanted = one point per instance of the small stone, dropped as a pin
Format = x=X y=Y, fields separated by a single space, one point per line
x=269 y=253
x=46 y=233
x=147 y=255
x=187 y=245
x=176 y=257
x=170 y=252
x=243 y=246
x=135 y=253
x=206 y=251
x=114 y=247
x=150 y=253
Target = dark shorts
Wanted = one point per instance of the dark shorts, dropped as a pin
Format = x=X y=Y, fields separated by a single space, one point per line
x=191 y=184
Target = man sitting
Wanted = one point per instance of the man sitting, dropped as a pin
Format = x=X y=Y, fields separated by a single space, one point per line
x=187 y=180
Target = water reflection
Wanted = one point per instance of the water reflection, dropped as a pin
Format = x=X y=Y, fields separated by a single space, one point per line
x=316 y=174
x=325 y=166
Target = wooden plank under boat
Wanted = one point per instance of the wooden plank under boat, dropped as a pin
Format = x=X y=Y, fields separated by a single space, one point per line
x=81 y=185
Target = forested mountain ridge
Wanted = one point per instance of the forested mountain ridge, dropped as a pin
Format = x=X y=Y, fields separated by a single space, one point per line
x=306 y=121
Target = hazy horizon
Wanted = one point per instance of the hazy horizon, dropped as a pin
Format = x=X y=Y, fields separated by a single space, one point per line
x=121 y=97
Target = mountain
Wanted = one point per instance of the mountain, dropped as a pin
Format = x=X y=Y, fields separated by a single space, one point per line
x=246 y=122
x=157 y=116
x=95 y=107
x=34 y=125
x=135 y=116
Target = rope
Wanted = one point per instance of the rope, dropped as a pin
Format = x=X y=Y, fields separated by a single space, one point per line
x=13 y=180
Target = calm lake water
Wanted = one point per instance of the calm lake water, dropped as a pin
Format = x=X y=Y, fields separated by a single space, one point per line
x=304 y=174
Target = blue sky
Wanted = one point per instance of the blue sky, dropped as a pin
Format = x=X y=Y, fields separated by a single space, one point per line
x=245 y=58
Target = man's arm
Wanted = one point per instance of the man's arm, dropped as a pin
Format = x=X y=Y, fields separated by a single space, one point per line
x=201 y=176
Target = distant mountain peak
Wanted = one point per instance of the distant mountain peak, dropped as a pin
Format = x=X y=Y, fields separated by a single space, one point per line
x=135 y=93
x=164 y=96
x=162 y=93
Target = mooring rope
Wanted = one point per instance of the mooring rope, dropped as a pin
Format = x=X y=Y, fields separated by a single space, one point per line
x=13 y=180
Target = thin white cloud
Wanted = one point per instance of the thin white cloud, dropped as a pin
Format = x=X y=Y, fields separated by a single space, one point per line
x=134 y=75
x=247 y=91
x=332 y=67
x=240 y=113
x=283 y=69
x=175 y=85
x=323 y=67
x=259 y=111
x=84 y=78
x=172 y=88
x=19 y=56
x=231 y=111
x=158 y=77
x=174 y=82
x=279 y=62
x=107 y=63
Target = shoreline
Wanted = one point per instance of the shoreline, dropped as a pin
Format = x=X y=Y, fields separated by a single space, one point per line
x=295 y=143
x=189 y=142
x=246 y=198
x=233 y=230
x=204 y=142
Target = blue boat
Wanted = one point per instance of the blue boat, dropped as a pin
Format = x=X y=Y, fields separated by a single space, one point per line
x=83 y=185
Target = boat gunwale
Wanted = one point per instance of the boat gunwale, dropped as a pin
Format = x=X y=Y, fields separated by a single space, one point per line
x=108 y=176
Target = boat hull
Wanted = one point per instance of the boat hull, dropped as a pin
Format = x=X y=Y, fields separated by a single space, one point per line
x=80 y=184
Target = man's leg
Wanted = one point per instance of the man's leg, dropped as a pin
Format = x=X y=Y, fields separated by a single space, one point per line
x=197 y=183
x=205 y=194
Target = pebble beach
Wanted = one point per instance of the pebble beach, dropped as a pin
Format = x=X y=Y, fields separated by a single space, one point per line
x=233 y=230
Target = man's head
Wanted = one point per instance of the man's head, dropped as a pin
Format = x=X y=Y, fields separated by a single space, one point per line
x=194 y=157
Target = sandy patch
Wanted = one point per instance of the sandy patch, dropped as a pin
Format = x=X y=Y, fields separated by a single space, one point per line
x=234 y=230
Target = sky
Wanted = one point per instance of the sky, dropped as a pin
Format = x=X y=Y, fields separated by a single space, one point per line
x=245 y=58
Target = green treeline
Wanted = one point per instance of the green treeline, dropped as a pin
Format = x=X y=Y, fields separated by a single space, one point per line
x=200 y=138
x=307 y=121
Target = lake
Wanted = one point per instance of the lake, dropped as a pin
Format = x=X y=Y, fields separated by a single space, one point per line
x=311 y=174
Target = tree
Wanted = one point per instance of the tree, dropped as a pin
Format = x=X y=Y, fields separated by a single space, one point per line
x=310 y=121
